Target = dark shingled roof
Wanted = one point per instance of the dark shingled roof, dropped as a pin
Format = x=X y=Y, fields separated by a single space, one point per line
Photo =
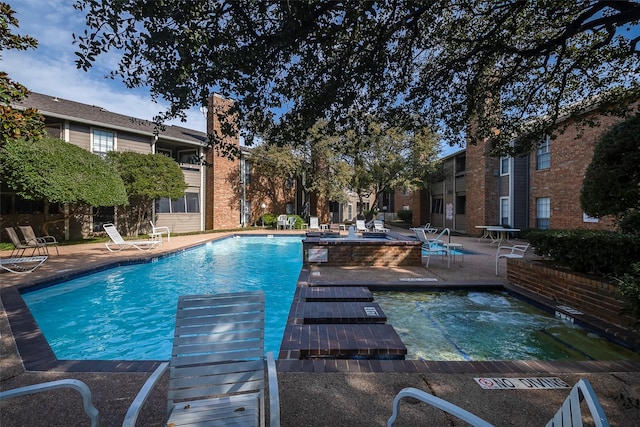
x=51 y=106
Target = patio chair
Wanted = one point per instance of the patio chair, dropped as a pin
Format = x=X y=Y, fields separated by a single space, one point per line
x=281 y=222
x=30 y=236
x=217 y=367
x=159 y=231
x=434 y=246
x=427 y=228
x=360 y=226
x=19 y=246
x=22 y=264
x=291 y=222
x=378 y=226
x=513 y=252
x=118 y=243
x=76 y=385
x=569 y=414
x=314 y=225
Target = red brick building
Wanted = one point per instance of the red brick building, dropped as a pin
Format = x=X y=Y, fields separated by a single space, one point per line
x=539 y=190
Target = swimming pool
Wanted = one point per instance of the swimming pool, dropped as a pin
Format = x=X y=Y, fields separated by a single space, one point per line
x=128 y=312
x=469 y=325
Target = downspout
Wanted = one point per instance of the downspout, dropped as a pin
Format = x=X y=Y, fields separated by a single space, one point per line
x=153 y=151
x=202 y=191
x=243 y=199
x=67 y=225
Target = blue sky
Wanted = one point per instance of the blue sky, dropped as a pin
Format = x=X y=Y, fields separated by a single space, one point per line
x=50 y=68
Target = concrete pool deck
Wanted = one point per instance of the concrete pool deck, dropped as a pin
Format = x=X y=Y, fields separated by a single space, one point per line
x=318 y=392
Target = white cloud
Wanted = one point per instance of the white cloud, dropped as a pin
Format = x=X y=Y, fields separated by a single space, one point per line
x=50 y=69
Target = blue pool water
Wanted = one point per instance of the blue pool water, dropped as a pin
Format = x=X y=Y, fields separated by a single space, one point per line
x=129 y=312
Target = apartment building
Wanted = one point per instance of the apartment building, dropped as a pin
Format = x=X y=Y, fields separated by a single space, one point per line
x=98 y=130
x=539 y=190
x=225 y=193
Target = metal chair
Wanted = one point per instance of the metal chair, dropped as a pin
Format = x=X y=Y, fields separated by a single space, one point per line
x=569 y=414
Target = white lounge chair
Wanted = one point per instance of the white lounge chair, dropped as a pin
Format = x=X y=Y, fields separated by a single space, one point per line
x=360 y=226
x=291 y=222
x=76 y=385
x=378 y=226
x=569 y=414
x=427 y=228
x=118 y=243
x=30 y=236
x=157 y=232
x=22 y=264
x=217 y=368
x=513 y=252
x=434 y=246
x=314 y=225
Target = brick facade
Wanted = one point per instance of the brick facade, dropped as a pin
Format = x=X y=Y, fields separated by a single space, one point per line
x=571 y=154
x=482 y=201
x=363 y=252
x=223 y=186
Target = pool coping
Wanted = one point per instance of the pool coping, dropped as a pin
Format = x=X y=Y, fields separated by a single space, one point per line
x=37 y=355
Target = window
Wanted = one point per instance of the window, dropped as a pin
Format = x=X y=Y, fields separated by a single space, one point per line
x=247 y=172
x=103 y=142
x=505 y=217
x=188 y=156
x=193 y=202
x=247 y=212
x=543 y=213
x=543 y=154
x=436 y=207
x=189 y=203
x=289 y=208
x=461 y=164
x=14 y=204
x=349 y=212
x=165 y=151
x=461 y=205
x=504 y=166
x=102 y=215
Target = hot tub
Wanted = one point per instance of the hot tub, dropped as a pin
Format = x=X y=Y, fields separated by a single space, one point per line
x=372 y=249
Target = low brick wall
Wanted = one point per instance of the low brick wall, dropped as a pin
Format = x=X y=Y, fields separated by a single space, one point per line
x=591 y=295
x=362 y=252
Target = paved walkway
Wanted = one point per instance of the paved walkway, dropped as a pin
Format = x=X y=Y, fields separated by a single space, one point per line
x=312 y=396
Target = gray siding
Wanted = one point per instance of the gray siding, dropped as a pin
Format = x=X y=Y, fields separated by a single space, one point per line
x=79 y=135
x=520 y=199
x=135 y=143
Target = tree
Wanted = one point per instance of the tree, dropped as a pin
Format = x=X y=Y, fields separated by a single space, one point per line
x=59 y=172
x=146 y=177
x=611 y=184
x=386 y=158
x=496 y=65
x=14 y=124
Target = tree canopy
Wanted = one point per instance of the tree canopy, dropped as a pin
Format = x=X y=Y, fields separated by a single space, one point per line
x=146 y=177
x=15 y=124
x=387 y=158
x=611 y=184
x=496 y=65
x=59 y=172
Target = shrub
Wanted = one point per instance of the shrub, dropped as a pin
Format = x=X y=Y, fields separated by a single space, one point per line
x=628 y=287
x=405 y=215
x=586 y=251
x=270 y=220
